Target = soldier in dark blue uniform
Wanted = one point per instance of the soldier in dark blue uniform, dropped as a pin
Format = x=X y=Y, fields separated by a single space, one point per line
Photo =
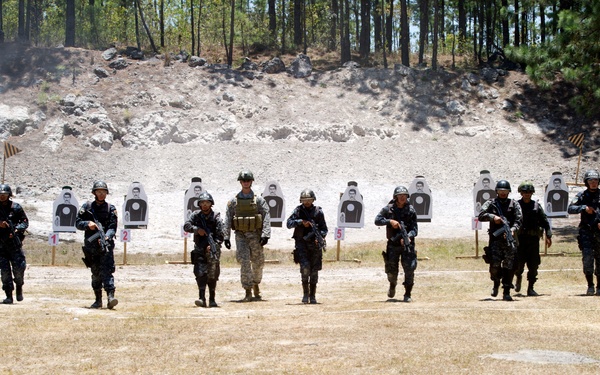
x=501 y=253
x=13 y=223
x=309 y=248
x=586 y=203
x=204 y=224
x=101 y=261
x=397 y=214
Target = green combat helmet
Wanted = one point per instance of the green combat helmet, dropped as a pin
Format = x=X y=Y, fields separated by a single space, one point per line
x=245 y=175
x=526 y=187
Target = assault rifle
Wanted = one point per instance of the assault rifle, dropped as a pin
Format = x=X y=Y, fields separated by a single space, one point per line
x=211 y=240
x=314 y=233
x=13 y=234
x=505 y=229
x=402 y=234
x=100 y=237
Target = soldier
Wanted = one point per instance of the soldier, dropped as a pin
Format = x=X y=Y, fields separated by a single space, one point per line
x=400 y=219
x=13 y=223
x=535 y=222
x=505 y=219
x=310 y=230
x=586 y=204
x=248 y=215
x=207 y=227
x=97 y=219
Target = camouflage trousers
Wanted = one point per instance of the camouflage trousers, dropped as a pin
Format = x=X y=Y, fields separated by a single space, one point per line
x=589 y=244
x=249 y=253
x=502 y=262
x=310 y=259
x=207 y=266
x=396 y=255
x=528 y=253
x=12 y=267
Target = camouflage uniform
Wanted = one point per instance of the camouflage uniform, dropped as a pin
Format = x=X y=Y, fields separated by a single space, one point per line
x=11 y=250
x=102 y=264
x=501 y=257
x=528 y=250
x=249 y=251
x=206 y=268
x=306 y=252
x=589 y=235
x=396 y=253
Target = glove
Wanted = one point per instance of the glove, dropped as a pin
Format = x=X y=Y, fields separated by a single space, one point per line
x=263 y=241
x=227 y=244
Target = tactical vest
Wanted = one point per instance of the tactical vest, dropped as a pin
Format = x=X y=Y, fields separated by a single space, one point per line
x=531 y=225
x=247 y=218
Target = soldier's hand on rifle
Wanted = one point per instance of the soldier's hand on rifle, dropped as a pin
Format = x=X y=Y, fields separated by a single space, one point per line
x=92 y=225
x=395 y=224
x=306 y=223
x=589 y=210
x=201 y=232
x=3 y=224
x=497 y=219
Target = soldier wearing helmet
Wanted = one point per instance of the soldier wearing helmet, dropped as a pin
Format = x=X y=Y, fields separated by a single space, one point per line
x=535 y=222
x=501 y=253
x=308 y=250
x=207 y=227
x=587 y=206
x=248 y=215
x=13 y=223
x=398 y=216
x=93 y=218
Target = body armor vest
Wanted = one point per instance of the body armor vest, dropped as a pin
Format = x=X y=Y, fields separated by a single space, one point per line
x=246 y=217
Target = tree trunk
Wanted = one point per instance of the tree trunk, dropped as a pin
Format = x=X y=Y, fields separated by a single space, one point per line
x=298 y=22
x=192 y=34
x=365 y=29
x=198 y=43
x=335 y=16
x=389 y=27
x=542 y=24
x=146 y=26
x=344 y=32
x=21 y=17
x=377 y=11
x=161 y=20
x=517 y=28
x=436 y=20
x=231 y=32
x=505 y=26
x=462 y=23
x=28 y=11
x=272 y=19
x=423 y=27
x=1 y=23
x=283 y=26
x=404 y=34
x=70 y=24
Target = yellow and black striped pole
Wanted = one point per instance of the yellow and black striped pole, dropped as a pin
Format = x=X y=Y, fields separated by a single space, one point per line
x=577 y=140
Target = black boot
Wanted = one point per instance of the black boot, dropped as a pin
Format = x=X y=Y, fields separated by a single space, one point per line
x=211 y=297
x=305 y=291
x=506 y=296
x=530 y=291
x=407 y=291
x=19 y=293
x=256 y=292
x=98 y=303
x=392 y=290
x=112 y=301
x=590 y=282
x=518 y=283
x=495 y=288
x=9 y=299
x=313 y=291
x=248 y=297
x=201 y=301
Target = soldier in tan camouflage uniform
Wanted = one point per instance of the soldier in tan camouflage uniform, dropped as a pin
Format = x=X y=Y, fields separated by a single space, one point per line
x=248 y=215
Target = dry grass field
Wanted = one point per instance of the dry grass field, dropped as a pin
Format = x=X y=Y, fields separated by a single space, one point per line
x=452 y=326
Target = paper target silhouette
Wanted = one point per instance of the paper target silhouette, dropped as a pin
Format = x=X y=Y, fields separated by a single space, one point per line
x=65 y=210
x=483 y=190
x=556 y=197
x=273 y=195
x=190 y=198
x=421 y=199
x=135 y=207
x=350 y=210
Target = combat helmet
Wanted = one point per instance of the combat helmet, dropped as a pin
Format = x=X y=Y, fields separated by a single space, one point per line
x=206 y=197
x=99 y=185
x=590 y=175
x=503 y=185
x=525 y=187
x=245 y=175
x=5 y=189
x=307 y=194
x=401 y=190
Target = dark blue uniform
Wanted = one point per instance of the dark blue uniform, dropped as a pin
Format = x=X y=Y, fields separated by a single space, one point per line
x=11 y=250
x=306 y=251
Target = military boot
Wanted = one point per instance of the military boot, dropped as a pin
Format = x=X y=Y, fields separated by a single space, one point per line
x=256 y=292
x=201 y=301
x=112 y=301
x=248 y=297
x=211 y=298
x=98 y=302
x=590 y=281
x=392 y=290
x=313 y=291
x=506 y=296
x=530 y=291
x=407 y=292
x=19 y=293
x=495 y=288
x=518 y=283
x=305 y=291
x=9 y=298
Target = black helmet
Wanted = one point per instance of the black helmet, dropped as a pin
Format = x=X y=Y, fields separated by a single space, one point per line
x=307 y=194
x=526 y=186
x=503 y=185
x=590 y=175
x=5 y=189
x=245 y=175
x=401 y=190
x=206 y=197
x=100 y=185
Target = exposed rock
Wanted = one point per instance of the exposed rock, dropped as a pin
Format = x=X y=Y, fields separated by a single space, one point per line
x=109 y=54
x=301 y=67
x=118 y=64
x=273 y=66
